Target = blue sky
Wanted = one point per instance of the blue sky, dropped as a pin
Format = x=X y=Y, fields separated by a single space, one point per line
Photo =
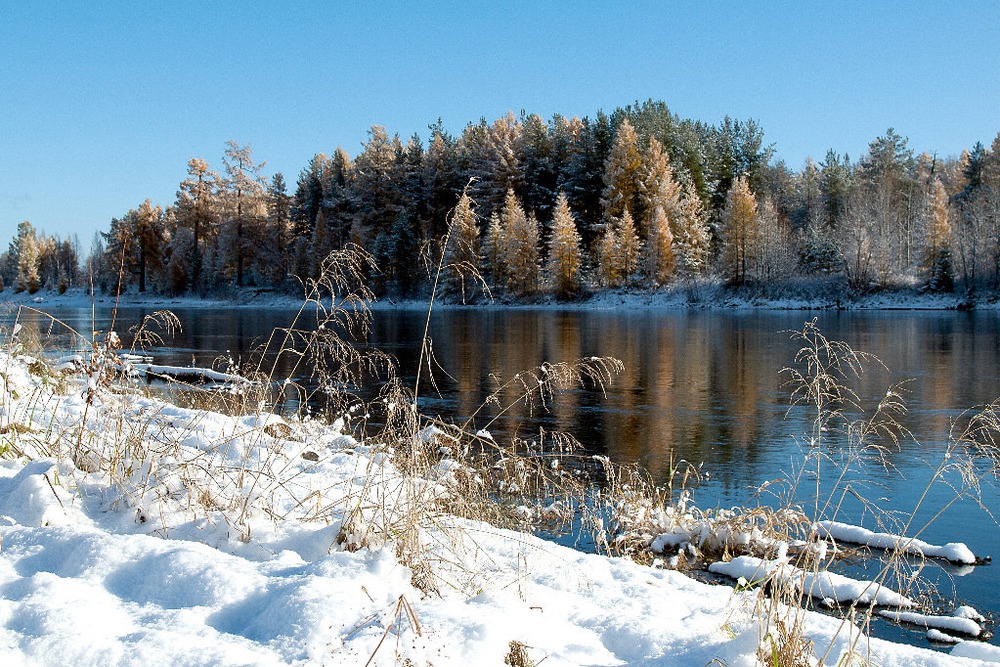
x=102 y=104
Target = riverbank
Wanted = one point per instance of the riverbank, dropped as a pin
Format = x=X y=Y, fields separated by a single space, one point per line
x=136 y=533
x=706 y=295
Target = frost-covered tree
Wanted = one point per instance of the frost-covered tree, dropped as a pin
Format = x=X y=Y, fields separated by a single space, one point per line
x=940 y=277
x=771 y=253
x=583 y=176
x=134 y=247
x=739 y=231
x=663 y=224
x=245 y=210
x=462 y=257
x=492 y=161
x=565 y=259
x=197 y=207
x=622 y=173
x=656 y=185
x=24 y=256
x=629 y=246
x=151 y=238
x=494 y=250
x=618 y=251
x=884 y=175
x=520 y=233
x=373 y=195
x=692 y=239
x=177 y=268
x=659 y=260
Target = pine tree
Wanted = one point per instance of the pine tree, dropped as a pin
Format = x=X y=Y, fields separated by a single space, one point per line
x=835 y=178
x=583 y=179
x=565 y=256
x=534 y=149
x=320 y=244
x=177 y=268
x=246 y=208
x=197 y=207
x=739 y=229
x=275 y=263
x=372 y=195
x=441 y=181
x=151 y=240
x=310 y=191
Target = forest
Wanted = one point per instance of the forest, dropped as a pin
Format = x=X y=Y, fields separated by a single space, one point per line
x=533 y=209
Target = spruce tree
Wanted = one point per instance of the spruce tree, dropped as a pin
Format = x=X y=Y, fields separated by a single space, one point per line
x=245 y=211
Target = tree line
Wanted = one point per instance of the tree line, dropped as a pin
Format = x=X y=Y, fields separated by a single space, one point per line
x=636 y=199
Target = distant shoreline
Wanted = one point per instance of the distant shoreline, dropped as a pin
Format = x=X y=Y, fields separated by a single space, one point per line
x=713 y=298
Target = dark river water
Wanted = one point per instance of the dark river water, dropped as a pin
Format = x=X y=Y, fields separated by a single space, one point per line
x=702 y=386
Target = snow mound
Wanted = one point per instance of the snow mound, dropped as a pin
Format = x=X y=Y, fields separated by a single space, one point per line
x=822 y=585
x=963 y=626
x=955 y=552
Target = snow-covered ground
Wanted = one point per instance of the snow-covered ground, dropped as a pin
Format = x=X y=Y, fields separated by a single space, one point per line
x=709 y=294
x=135 y=532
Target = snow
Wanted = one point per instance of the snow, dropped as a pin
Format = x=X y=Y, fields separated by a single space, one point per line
x=187 y=372
x=965 y=626
x=706 y=293
x=135 y=532
x=956 y=552
x=821 y=585
x=977 y=650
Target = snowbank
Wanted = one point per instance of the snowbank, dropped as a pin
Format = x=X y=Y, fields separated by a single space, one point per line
x=138 y=533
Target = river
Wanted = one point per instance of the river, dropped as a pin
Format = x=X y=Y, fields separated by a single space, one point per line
x=702 y=386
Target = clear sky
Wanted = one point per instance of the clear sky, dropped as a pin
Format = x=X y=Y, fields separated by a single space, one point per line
x=103 y=103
